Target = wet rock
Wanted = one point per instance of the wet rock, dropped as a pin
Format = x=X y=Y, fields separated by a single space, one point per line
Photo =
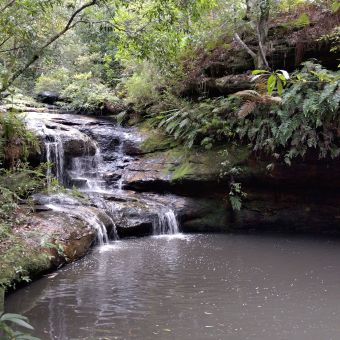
x=178 y=171
x=48 y=97
x=73 y=142
x=47 y=239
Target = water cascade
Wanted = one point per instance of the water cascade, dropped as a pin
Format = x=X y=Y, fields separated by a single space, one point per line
x=90 y=217
x=166 y=223
x=93 y=156
x=120 y=156
x=55 y=159
x=85 y=174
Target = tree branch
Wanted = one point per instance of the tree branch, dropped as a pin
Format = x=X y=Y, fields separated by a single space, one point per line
x=4 y=41
x=13 y=49
x=245 y=46
x=40 y=51
x=261 y=48
x=11 y=3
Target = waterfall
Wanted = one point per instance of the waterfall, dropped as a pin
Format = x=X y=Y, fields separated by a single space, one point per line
x=166 y=223
x=104 y=205
x=89 y=217
x=120 y=157
x=96 y=168
x=55 y=159
x=85 y=172
x=94 y=221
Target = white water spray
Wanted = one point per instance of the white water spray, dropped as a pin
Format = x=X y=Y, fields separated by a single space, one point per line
x=55 y=159
x=89 y=217
x=166 y=223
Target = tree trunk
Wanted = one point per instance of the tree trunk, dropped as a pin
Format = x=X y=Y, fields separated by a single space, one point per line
x=262 y=34
x=262 y=26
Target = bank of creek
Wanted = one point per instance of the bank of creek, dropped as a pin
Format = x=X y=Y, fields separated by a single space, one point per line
x=176 y=282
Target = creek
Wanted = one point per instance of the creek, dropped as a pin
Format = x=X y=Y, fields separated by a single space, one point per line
x=191 y=287
x=168 y=285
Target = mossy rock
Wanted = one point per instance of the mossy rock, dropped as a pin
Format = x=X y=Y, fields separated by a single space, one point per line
x=165 y=164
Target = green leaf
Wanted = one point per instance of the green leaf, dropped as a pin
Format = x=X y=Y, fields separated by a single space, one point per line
x=255 y=72
x=279 y=87
x=235 y=202
x=17 y=319
x=283 y=79
x=271 y=83
x=335 y=6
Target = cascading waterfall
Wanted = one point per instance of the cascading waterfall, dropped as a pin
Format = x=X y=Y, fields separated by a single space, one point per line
x=120 y=156
x=97 y=171
x=89 y=216
x=55 y=159
x=166 y=223
x=102 y=204
x=85 y=172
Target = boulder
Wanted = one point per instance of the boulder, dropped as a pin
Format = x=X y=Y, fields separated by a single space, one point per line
x=48 y=238
x=48 y=97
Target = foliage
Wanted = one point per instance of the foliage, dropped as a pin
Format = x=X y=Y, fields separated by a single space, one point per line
x=56 y=80
x=156 y=30
x=334 y=39
x=193 y=123
x=304 y=119
x=18 y=183
x=86 y=93
x=276 y=80
x=236 y=195
x=8 y=333
x=143 y=86
x=302 y=21
x=15 y=140
x=252 y=99
x=29 y=28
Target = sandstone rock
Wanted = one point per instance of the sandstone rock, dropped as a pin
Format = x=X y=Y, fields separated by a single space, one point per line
x=48 y=97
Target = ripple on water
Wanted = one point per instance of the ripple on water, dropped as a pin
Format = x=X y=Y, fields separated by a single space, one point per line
x=212 y=287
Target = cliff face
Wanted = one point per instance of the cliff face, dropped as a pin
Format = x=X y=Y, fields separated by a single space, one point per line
x=303 y=197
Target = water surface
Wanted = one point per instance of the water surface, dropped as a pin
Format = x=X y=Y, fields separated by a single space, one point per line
x=191 y=287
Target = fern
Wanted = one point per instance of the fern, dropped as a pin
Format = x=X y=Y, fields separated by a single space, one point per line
x=252 y=100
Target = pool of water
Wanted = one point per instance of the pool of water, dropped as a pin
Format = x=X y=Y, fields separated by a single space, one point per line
x=191 y=287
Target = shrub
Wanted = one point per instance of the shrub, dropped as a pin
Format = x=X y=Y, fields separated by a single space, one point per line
x=15 y=140
x=87 y=93
x=144 y=86
x=307 y=118
x=55 y=80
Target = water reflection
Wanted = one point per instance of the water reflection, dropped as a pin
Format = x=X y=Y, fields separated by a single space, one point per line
x=191 y=287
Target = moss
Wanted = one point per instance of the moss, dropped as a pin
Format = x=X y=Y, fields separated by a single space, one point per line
x=302 y=21
x=19 y=261
x=182 y=171
x=179 y=163
x=155 y=140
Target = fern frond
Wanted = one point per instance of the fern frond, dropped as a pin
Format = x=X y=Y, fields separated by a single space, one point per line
x=251 y=95
x=267 y=99
x=246 y=109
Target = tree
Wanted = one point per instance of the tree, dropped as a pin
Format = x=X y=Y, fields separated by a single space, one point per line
x=260 y=19
x=23 y=24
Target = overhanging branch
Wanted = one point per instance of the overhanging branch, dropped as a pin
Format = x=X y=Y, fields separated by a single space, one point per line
x=11 y=3
x=70 y=24
x=245 y=46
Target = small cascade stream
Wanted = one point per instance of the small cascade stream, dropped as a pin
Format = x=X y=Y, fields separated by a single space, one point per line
x=166 y=223
x=91 y=218
x=89 y=154
x=55 y=159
